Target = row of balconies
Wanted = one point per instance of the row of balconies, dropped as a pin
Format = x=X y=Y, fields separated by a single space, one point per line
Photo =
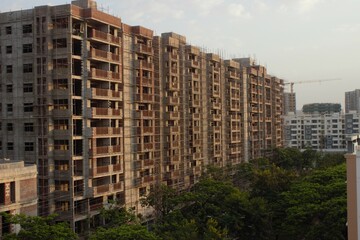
x=91 y=113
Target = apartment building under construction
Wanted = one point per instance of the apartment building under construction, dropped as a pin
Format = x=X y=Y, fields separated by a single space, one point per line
x=108 y=111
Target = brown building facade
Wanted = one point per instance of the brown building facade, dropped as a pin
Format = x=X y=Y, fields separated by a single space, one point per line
x=108 y=110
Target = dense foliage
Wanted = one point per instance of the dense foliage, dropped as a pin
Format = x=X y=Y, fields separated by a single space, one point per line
x=293 y=195
x=36 y=228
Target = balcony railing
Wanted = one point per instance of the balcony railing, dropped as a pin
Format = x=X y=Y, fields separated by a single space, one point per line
x=103 y=74
x=143 y=48
x=104 y=55
x=105 y=112
x=106 y=131
x=105 y=150
x=103 y=36
x=105 y=93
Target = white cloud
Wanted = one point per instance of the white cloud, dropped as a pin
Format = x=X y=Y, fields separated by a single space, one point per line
x=260 y=6
x=299 y=6
x=237 y=10
x=307 y=5
x=205 y=7
x=347 y=28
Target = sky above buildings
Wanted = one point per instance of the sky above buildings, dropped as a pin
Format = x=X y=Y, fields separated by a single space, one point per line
x=298 y=40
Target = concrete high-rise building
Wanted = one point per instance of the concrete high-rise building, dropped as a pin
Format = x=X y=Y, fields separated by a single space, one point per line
x=108 y=111
x=264 y=108
x=289 y=102
x=352 y=101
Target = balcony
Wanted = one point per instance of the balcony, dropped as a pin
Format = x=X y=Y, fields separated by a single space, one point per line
x=62 y=194
x=195 y=76
x=118 y=186
x=148 y=179
x=196 y=103
x=173 y=100
x=99 y=93
x=99 y=170
x=232 y=75
x=144 y=81
x=144 y=114
x=98 y=54
x=174 y=56
x=217 y=105
x=197 y=143
x=196 y=129
x=235 y=85
x=174 y=115
x=98 y=190
x=105 y=113
x=216 y=117
x=141 y=64
x=141 y=48
x=174 y=144
x=196 y=116
x=105 y=150
x=104 y=75
x=197 y=156
x=106 y=131
x=104 y=37
x=174 y=129
x=145 y=97
x=62 y=133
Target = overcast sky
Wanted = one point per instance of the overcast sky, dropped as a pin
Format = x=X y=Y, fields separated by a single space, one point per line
x=298 y=40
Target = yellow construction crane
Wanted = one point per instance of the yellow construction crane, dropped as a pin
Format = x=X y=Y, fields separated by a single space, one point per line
x=309 y=81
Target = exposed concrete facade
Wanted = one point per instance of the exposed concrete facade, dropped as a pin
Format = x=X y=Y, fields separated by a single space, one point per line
x=352 y=101
x=18 y=192
x=289 y=102
x=112 y=110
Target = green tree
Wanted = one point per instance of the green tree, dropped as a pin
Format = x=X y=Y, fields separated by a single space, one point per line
x=124 y=232
x=316 y=206
x=35 y=228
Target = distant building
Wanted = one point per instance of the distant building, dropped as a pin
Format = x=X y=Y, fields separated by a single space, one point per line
x=352 y=101
x=289 y=102
x=353 y=188
x=322 y=108
x=18 y=192
x=325 y=132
